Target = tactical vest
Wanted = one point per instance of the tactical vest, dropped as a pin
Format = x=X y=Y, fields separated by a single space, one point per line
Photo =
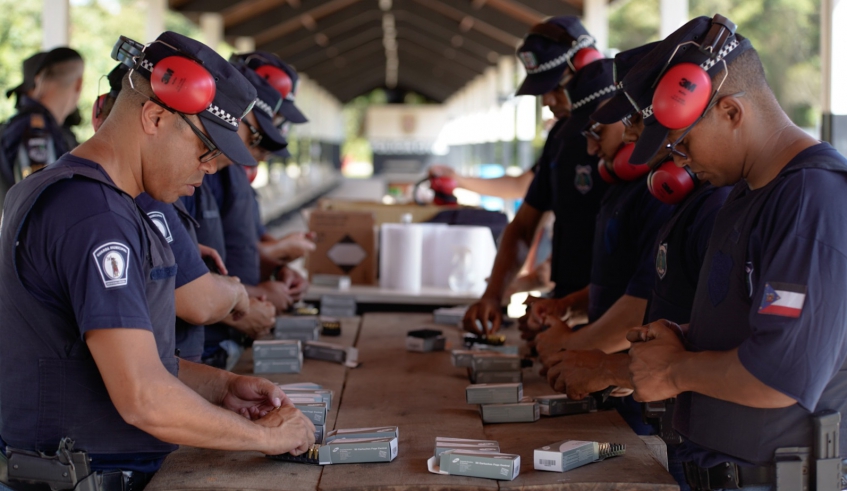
x=210 y=230
x=189 y=337
x=240 y=234
x=747 y=433
x=52 y=388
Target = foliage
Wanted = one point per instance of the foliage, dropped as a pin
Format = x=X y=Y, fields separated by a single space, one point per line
x=786 y=33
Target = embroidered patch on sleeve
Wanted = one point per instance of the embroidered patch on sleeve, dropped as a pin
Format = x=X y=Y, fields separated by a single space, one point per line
x=784 y=299
x=112 y=259
x=162 y=224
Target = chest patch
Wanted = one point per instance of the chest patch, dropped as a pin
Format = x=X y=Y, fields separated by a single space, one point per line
x=112 y=260
x=783 y=299
x=662 y=260
x=583 y=181
x=162 y=224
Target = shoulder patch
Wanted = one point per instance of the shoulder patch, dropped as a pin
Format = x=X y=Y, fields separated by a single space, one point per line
x=162 y=224
x=583 y=181
x=37 y=121
x=783 y=299
x=112 y=259
x=662 y=260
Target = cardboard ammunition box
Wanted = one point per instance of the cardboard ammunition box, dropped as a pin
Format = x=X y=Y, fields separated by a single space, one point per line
x=342 y=282
x=278 y=365
x=358 y=450
x=449 y=316
x=425 y=340
x=345 y=245
x=320 y=431
x=445 y=444
x=375 y=432
x=502 y=466
x=280 y=348
x=494 y=393
x=561 y=405
x=315 y=411
x=338 y=306
x=496 y=377
x=520 y=412
x=462 y=358
x=564 y=456
x=495 y=362
x=321 y=395
x=506 y=350
x=300 y=385
x=317 y=350
x=301 y=322
x=302 y=335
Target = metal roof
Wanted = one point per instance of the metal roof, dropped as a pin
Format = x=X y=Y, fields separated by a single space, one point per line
x=441 y=44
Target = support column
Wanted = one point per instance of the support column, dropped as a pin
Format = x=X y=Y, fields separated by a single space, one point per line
x=55 y=24
x=833 y=71
x=245 y=44
x=155 y=19
x=595 y=15
x=674 y=14
x=212 y=25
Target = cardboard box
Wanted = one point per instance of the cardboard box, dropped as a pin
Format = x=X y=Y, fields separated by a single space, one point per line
x=501 y=466
x=346 y=244
x=451 y=316
x=425 y=340
x=495 y=362
x=300 y=385
x=320 y=431
x=494 y=393
x=317 y=350
x=383 y=213
x=313 y=395
x=276 y=349
x=375 y=432
x=561 y=405
x=462 y=358
x=315 y=411
x=338 y=306
x=521 y=412
x=443 y=444
x=297 y=322
x=358 y=450
x=278 y=365
x=570 y=454
x=511 y=377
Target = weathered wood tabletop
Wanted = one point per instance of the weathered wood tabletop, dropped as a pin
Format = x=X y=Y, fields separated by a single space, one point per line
x=422 y=394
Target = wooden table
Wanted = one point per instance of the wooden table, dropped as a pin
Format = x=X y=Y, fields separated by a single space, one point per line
x=363 y=294
x=423 y=394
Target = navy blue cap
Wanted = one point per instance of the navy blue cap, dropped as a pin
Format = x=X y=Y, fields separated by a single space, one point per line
x=30 y=68
x=588 y=88
x=268 y=102
x=619 y=107
x=234 y=95
x=547 y=50
x=257 y=59
x=640 y=82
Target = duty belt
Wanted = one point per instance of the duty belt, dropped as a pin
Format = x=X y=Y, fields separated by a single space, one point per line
x=660 y=415
x=727 y=476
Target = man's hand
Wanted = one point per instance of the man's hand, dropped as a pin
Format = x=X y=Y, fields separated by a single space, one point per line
x=572 y=307
x=253 y=397
x=485 y=310
x=257 y=321
x=580 y=373
x=242 y=302
x=293 y=246
x=553 y=339
x=289 y=431
x=655 y=349
x=296 y=283
x=207 y=252
x=278 y=294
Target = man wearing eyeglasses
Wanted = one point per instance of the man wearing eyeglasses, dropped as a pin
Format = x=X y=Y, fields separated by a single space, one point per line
x=88 y=298
x=567 y=181
x=766 y=344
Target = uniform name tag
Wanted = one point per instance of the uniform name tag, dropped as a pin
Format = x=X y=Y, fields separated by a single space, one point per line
x=112 y=259
x=784 y=299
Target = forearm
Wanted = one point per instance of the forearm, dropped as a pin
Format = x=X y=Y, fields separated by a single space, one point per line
x=207 y=299
x=608 y=333
x=507 y=264
x=721 y=375
x=210 y=383
x=506 y=187
x=616 y=369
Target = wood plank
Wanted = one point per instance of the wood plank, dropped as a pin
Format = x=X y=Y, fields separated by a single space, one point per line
x=419 y=392
x=199 y=469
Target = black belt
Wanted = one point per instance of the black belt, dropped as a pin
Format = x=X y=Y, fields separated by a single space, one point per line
x=99 y=481
x=727 y=476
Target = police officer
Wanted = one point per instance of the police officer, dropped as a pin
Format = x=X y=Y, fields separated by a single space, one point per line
x=33 y=137
x=87 y=287
x=766 y=344
x=201 y=297
x=29 y=69
x=567 y=181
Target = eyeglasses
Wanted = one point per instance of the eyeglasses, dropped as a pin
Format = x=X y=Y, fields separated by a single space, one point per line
x=255 y=135
x=671 y=147
x=631 y=119
x=591 y=133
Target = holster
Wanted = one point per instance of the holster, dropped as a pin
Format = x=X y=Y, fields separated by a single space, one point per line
x=66 y=470
x=660 y=415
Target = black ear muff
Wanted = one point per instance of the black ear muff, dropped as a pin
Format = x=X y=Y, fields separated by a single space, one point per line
x=623 y=168
x=277 y=78
x=182 y=84
x=671 y=184
x=681 y=96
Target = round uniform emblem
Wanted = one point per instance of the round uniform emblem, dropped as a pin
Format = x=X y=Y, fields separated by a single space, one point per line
x=662 y=260
x=113 y=265
x=112 y=260
x=583 y=181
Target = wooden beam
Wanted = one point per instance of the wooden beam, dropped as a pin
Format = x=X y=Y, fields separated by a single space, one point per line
x=294 y=24
x=248 y=9
x=516 y=10
x=470 y=22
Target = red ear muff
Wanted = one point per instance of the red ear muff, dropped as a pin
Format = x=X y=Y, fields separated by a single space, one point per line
x=671 y=184
x=605 y=173
x=681 y=96
x=277 y=78
x=183 y=84
x=623 y=169
x=97 y=110
x=584 y=57
x=251 y=172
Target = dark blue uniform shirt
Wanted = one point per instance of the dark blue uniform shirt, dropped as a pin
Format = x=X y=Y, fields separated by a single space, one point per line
x=21 y=134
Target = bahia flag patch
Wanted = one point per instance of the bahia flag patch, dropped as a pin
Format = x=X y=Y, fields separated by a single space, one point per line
x=785 y=299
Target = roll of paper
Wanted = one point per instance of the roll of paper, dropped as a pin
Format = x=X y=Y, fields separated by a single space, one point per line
x=465 y=256
x=400 y=260
x=430 y=253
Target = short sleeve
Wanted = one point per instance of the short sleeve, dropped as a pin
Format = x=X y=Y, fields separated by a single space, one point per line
x=645 y=227
x=540 y=192
x=798 y=321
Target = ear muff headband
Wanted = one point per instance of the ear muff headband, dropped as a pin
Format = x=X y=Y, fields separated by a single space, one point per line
x=671 y=184
x=624 y=170
x=684 y=91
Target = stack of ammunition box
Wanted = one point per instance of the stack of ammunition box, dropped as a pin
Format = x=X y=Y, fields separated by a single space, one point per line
x=502 y=403
x=301 y=327
x=277 y=356
x=338 y=306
